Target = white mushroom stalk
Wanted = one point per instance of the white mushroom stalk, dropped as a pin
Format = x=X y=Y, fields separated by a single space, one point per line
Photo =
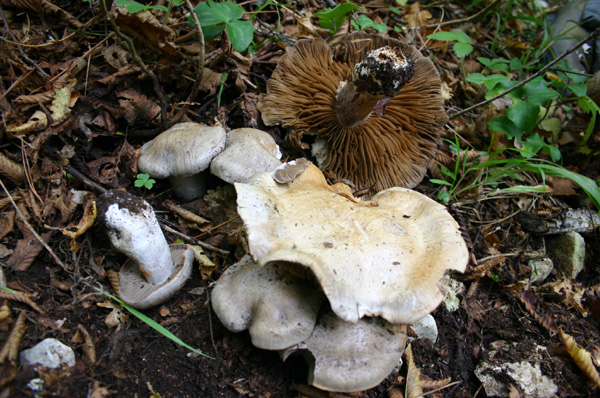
x=133 y=230
x=154 y=272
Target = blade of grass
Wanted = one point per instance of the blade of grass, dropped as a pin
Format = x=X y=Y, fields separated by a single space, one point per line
x=156 y=326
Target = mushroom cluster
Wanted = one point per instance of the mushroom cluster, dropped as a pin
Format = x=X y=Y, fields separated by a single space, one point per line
x=374 y=104
x=184 y=153
x=375 y=265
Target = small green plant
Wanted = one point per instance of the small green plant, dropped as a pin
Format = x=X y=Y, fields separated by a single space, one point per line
x=156 y=326
x=215 y=18
x=134 y=7
x=221 y=87
x=144 y=180
x=531 y=102
x=462 y=46
x=491 y=169
x=333 y=18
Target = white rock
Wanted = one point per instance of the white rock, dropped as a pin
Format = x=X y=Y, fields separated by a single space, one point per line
x=50 y=353
x=526 y=374
x=426 y=328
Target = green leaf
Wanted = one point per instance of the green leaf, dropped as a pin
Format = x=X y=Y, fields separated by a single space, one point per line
x=134 y=7
x=516 y=64
x=363 y=22
x=494 y=64
x=241 y=34
x=453 y=35
x=537 y=92
x=440 y=182
x=578 y=89
x=156 y=326
x=462 y=49
x=504 y=125
x=524 y=114
x=333 y=19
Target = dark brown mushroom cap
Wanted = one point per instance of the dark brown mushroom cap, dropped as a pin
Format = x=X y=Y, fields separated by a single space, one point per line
x=392 y=150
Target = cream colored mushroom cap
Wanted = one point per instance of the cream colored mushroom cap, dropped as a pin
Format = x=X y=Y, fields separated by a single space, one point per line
x=382 y=257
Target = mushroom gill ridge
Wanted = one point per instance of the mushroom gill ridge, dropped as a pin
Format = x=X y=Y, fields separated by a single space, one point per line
x=394 y=149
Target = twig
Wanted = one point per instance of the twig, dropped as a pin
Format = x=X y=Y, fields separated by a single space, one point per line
x=190 y=239
x=530 y=78
x=141 y=64
x=87 y=181
x=37 y=236
x=463 y=20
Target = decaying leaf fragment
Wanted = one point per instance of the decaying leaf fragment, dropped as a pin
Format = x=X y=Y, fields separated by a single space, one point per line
x=413 y=384
x=582 y=358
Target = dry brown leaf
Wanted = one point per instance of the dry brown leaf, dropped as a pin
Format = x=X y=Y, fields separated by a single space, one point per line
x=581 y=357
x=20 y=297
x=7 y=223
x=139 y=109
x=83 y=336
x=37 y=121
x=26 y=252
x=572 y=293
x=12 y=170
x=417 y=17
x=539 y=310
x=513 y=392
x=413 y=382
x=87 y=220
x=10 y=350
x=395 y=392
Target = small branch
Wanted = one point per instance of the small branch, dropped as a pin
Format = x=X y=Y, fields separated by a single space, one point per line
x=192 y=240
x=530 y=78
x=463 y=20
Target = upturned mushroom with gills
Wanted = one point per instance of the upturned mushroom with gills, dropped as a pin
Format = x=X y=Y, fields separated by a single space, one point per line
x=374 y=104
x=154 y=272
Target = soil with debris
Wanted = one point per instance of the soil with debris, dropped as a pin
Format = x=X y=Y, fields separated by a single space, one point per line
x=95 y=102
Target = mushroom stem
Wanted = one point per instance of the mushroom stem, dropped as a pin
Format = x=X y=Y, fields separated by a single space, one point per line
x=134 y=231
x=190 y=187
x=379 y=76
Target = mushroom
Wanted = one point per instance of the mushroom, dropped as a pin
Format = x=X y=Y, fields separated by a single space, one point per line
x=153 y=273
x=278 y=308
x=373 y=102
x=382 y=257
x=350 y=357
x=181 y=154
x=248 y=151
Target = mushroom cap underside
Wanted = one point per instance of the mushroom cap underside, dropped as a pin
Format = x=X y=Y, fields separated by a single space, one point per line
x=137 y=292
x=383 y=257
x=278 y=308
x=183 y=150
x=392 y=150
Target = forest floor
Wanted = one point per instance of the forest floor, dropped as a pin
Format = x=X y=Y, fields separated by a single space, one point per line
x=77 y=103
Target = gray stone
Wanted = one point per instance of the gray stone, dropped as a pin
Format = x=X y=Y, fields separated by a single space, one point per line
x=426 y=328
x=540 y=269
x=497 y=373
x=567 y=251
x=50 y=353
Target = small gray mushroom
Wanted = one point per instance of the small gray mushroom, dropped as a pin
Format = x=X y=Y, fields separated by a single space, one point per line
x=351 y=356
x=248 y=151
x=278 y=308
x=181 y=154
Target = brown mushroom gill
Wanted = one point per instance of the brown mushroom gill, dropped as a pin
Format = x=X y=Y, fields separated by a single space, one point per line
x=311 y=91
